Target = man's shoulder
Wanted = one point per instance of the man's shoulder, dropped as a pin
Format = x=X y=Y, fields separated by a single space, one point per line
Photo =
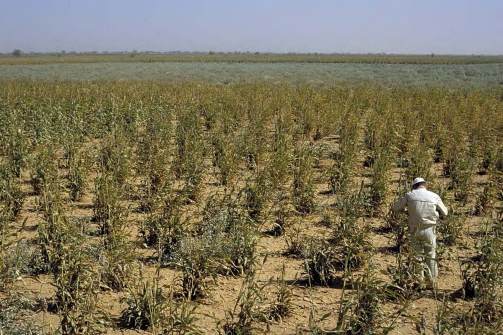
x=433 y=196
x=433 y=193
x=421 y=193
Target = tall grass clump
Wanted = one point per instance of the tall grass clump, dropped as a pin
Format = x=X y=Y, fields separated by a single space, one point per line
x=450 y=229
x=115 y=158
x=252 y=138
x=79 y=165
x=165 y=229
x=351 y=234
x=188 y=163
x=240 y=320
x=117 y=257
x=17 y=147
x=11 y=193
x=342 y=171
x=108 y=208
x=481 y=275
x=154 y=155
x=458 y=165
x=379 y=143
x=257 y=193
x=303 y=193
x=225 y=153
x=379 y=186
x=75 y=281
x=420 y=162
x=152 y=306
x=45 y=168
x=321 y=262
x=235 y=238
x=364 y=313
x=225 y=243
x=280 y=152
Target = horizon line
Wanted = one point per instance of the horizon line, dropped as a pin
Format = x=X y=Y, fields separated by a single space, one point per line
x=214 y=52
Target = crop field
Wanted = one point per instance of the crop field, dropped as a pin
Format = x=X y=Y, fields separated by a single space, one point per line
x=323 y=74
x=214 y=198
x=240 y=57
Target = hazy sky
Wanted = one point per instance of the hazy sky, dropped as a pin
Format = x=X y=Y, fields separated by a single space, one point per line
x=358 y=26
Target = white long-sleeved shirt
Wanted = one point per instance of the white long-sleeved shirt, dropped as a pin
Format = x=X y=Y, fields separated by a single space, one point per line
x=423 y=207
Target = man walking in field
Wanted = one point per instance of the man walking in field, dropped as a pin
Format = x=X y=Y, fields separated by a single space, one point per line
x=424 y=209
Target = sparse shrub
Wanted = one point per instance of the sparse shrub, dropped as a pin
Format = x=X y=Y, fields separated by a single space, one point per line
x=239 y=251
x=232 y=239
x=25 y=260
x=18 y=317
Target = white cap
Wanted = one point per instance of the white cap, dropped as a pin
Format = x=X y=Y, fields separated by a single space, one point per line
x=418 y=180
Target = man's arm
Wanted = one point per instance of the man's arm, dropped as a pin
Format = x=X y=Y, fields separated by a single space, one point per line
x=441 y=207
x=399 y=206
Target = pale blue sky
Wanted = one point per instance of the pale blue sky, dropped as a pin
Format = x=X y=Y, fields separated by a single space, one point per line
x=357 y=26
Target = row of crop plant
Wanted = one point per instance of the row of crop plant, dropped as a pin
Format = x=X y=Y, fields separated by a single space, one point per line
x=198 y=174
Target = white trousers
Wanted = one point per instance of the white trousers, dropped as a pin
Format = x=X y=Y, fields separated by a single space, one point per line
x=424 y=243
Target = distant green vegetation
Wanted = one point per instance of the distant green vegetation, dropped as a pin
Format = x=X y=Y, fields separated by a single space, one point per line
x=320 y=74
x=63 y=57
